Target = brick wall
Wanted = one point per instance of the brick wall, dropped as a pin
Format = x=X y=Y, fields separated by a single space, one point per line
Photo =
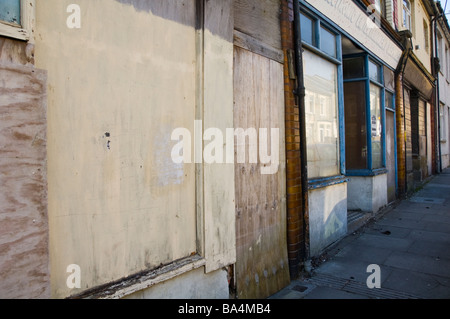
x=295 y=218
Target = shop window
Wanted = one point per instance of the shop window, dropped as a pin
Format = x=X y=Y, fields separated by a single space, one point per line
x=354 y=68
x=307 y=26
x=327 y=42
x=364 y=102
x=322 y=143
x=376 y=126
x=355 y=125
x=443 y=123
x=322 y=72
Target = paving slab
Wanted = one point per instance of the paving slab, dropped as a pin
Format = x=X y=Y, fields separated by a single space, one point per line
x=349 y=269
x=434 y=236
x=367 y=254
x=388 y=230
x=386 y=242
x=419 y=263
x=413 y=282
x=402 y=222
x=430 y=249
x=330 y=293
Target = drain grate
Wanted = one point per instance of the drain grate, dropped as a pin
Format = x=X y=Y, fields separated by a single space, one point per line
x=357 y=287
x=299 y=288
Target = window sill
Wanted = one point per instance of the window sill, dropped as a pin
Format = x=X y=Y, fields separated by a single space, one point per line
x=326 y=181
x=142 y=280
x=14 y=32
x=366 y=172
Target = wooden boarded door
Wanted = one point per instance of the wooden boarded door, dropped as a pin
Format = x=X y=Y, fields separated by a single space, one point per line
x=261 y=261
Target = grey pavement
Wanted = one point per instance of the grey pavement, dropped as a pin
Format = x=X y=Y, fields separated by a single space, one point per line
x=409 y=241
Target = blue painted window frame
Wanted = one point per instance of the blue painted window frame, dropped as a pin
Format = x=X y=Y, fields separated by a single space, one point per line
x=315 y=48
x=370 y=171
x=313 y=13
x=395 y=134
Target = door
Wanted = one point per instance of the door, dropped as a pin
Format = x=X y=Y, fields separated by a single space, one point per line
x=261 y=250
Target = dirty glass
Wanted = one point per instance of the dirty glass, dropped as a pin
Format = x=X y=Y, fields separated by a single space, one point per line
x=10 y=11
x=307 y=28
x=354 y=68
x=322 y=117
x=376 y=126
x=327 y=42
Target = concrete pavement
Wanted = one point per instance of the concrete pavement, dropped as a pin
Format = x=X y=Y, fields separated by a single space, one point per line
x=410 y=242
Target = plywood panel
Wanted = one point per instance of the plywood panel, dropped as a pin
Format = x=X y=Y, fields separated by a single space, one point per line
x=218 y=183
x=261 y=266
x=259 y=19
x=24 y=257
x=118 y=88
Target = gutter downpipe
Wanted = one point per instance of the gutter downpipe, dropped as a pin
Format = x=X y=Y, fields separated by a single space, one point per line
x=300 y=93
x=400 y=71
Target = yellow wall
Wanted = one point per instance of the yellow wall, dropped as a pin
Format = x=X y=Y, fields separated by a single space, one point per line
x=118 y=204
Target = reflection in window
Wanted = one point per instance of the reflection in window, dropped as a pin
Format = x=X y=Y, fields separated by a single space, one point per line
x=322 y=133
x=376 y=126
x=374 y=71
x=307 y=29
x=10 y=11
x=327 y=42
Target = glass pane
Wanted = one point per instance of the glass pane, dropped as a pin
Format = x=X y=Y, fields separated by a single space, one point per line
x=10 y=11
x=306 y=25
x=389 y=100
x=327 y=42
x=376 y=126
x=389 y=79
x=355 y=125
x=374 y=72
x=353 y=68
x=322 y=132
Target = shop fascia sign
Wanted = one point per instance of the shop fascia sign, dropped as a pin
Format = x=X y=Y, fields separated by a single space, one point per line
x=362 y=27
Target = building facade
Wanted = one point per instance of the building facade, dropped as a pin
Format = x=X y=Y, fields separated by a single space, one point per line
x=135 y=138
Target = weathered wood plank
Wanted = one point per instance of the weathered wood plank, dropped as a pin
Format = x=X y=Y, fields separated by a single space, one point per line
x=218 y=182
x=252 y=44
x=261 y=266
x=259 y=19
x=24 y=257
